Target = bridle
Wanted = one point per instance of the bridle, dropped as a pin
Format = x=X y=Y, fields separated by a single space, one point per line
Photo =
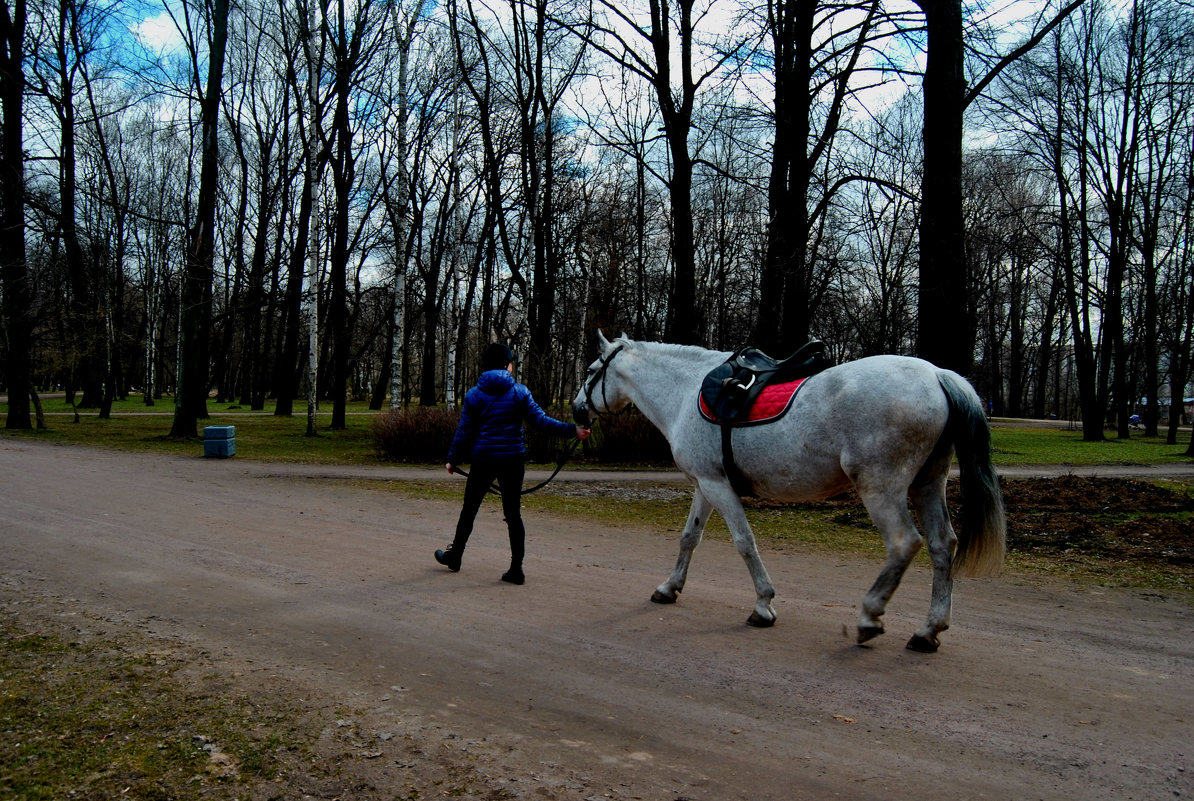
x=581 y=413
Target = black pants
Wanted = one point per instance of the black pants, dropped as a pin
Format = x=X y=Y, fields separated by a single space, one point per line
x=509 y=475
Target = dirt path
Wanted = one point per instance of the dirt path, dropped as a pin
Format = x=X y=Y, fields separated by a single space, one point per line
x=575 y=686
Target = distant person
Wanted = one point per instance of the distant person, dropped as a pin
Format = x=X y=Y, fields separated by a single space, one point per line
x=489 y=436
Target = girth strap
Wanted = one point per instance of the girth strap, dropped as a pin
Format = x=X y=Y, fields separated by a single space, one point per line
x=738 y=480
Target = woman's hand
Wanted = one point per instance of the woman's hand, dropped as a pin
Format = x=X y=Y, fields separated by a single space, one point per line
x=451 y=469
x=582 y=432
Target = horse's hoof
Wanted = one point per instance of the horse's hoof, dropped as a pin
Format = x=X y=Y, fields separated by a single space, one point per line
x=659 y=598
x=760 y=622
x=866 y=633
x=923 y=645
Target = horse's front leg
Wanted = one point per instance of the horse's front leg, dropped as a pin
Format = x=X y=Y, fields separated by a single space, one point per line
x=729 y=505
x=698 y=516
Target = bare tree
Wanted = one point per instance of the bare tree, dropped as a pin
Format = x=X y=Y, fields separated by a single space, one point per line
x=669 y=51
x=877 y=297
x=814 y=77
x=355 y=41
x=626 y=247
x=257 y=115
x=304 y=66
x=397 y=200
x=545 y=64
x=190 y=404
x=945 y=334
x=59 y=58
x=1166 y=98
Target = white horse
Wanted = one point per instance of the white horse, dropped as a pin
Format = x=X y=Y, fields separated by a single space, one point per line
x=886 y=425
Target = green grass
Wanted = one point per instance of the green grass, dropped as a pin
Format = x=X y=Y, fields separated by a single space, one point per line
x=263 y=437
x=102 y=719
x=1019 y=446
x=165 y=406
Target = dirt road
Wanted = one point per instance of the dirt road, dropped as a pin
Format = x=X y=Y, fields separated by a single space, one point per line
x=574 y=686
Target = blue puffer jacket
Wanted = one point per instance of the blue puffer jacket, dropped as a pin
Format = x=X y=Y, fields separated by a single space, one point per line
x=490 y=427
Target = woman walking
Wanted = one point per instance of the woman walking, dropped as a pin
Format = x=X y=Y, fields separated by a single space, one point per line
x=489 y=436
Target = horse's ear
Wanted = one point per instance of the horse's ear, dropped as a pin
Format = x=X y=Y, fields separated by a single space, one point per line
x=602 y=342
x=624 y=337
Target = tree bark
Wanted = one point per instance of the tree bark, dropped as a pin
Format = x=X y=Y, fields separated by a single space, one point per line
x=84 y=303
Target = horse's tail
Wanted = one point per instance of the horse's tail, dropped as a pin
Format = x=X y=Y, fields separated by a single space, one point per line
x=982 y=541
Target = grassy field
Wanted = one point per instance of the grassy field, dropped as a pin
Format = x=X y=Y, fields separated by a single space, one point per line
x=1019 y=446
x=260 y=435
x=264 y=437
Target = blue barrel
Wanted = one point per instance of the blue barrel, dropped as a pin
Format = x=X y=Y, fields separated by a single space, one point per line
x=219 y=441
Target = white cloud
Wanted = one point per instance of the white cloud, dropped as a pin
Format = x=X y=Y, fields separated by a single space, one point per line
x=157 y=33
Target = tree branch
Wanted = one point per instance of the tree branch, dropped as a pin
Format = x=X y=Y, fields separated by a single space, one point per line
x=1013 y=56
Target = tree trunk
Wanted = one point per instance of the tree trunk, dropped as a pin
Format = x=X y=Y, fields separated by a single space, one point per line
x=397 y=332
x=286 y=371
x=783 y=318
x=190 y=403
x=14 y=270
x=1045 y=347
x=84 y=303
x=253 y=308
x=343 y=169
x=683 y=322
x=945 y=333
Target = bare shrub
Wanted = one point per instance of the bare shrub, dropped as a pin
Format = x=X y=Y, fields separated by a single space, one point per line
x=420 y=434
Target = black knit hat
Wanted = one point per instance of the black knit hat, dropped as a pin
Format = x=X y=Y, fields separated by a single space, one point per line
x=496 y=357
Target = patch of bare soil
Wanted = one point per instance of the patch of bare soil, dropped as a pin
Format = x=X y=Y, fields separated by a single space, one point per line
x=1114 y=518
x=1106 y=517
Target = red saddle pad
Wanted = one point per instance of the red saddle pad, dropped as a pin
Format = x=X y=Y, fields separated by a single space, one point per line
x=773 y=402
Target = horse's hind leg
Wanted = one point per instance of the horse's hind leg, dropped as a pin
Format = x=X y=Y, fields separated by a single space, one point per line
x=698 y=516
x=889 y=511
x=929 y=502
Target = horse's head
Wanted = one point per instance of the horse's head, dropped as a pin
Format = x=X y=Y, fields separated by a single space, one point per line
x=602 y=391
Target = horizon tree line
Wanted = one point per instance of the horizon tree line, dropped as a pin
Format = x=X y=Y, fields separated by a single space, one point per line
x=349 y=200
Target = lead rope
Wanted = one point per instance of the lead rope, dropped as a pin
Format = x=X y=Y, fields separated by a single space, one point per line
x=494 y=490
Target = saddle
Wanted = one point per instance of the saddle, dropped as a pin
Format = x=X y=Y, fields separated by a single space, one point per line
x=732 y=392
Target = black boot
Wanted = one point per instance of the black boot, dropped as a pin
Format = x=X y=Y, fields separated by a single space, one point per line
x=514 y=575
x=449 y=558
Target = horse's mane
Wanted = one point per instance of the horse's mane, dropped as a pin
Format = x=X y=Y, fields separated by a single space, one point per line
x=669 y=349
